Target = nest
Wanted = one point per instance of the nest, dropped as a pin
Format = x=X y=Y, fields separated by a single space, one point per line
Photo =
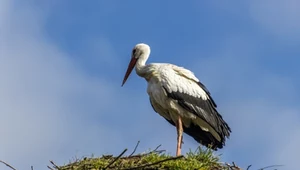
x=155 y=159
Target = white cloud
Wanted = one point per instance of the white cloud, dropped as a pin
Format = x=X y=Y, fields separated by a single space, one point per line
x=280 y=18
x=46 y=101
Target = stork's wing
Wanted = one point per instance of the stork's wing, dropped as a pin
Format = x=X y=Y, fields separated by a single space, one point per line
x=160 y=110
x=181 y=84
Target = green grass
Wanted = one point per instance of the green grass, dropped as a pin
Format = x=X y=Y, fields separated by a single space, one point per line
x=201 y=159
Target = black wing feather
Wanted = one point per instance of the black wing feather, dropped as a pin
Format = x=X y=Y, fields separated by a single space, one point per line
x=207 y=92
x=203 y=137
x=204 y=109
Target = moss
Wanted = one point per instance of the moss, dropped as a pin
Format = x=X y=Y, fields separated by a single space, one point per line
x=201 y=159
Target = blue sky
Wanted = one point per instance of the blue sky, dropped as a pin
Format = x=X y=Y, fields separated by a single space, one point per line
x=62 y=64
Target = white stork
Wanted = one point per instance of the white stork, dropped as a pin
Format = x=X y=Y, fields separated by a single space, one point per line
x=178 y=96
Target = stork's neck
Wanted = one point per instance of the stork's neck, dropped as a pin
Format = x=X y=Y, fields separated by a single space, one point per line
x=141 y=67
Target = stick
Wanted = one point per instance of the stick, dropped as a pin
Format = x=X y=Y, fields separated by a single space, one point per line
x=271 y=166
x=148 y=153
x=134 y=149
x=50 y=168
x=156 y=148
x=115 y=159
x=233 y=166
x=7 y=165
x=55 y=166
x=249 y=167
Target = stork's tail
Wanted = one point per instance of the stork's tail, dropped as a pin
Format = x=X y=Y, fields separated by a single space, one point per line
x=202 y=137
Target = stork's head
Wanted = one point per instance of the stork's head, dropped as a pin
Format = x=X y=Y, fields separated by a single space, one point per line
x=140 y=51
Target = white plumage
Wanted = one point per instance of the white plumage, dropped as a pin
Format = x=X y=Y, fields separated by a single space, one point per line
x=178 y=96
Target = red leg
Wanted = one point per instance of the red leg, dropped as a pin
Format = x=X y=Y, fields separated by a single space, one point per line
x=179 y=136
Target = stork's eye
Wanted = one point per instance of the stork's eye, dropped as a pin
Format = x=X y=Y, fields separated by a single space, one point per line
x=133 y=51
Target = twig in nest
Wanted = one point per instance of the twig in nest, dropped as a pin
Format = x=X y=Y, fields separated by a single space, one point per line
x=148 y=153
x=146 y=165
x=50 y=167
x=156 y=148
x=131 y=155
x=249 y=167
x=134 y=149
x=118 y=157
x=54 y=165
x=271 y=166
x=233 y=166
x=7 y=165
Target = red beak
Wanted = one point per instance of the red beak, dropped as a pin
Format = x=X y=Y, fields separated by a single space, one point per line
x=129 y=69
